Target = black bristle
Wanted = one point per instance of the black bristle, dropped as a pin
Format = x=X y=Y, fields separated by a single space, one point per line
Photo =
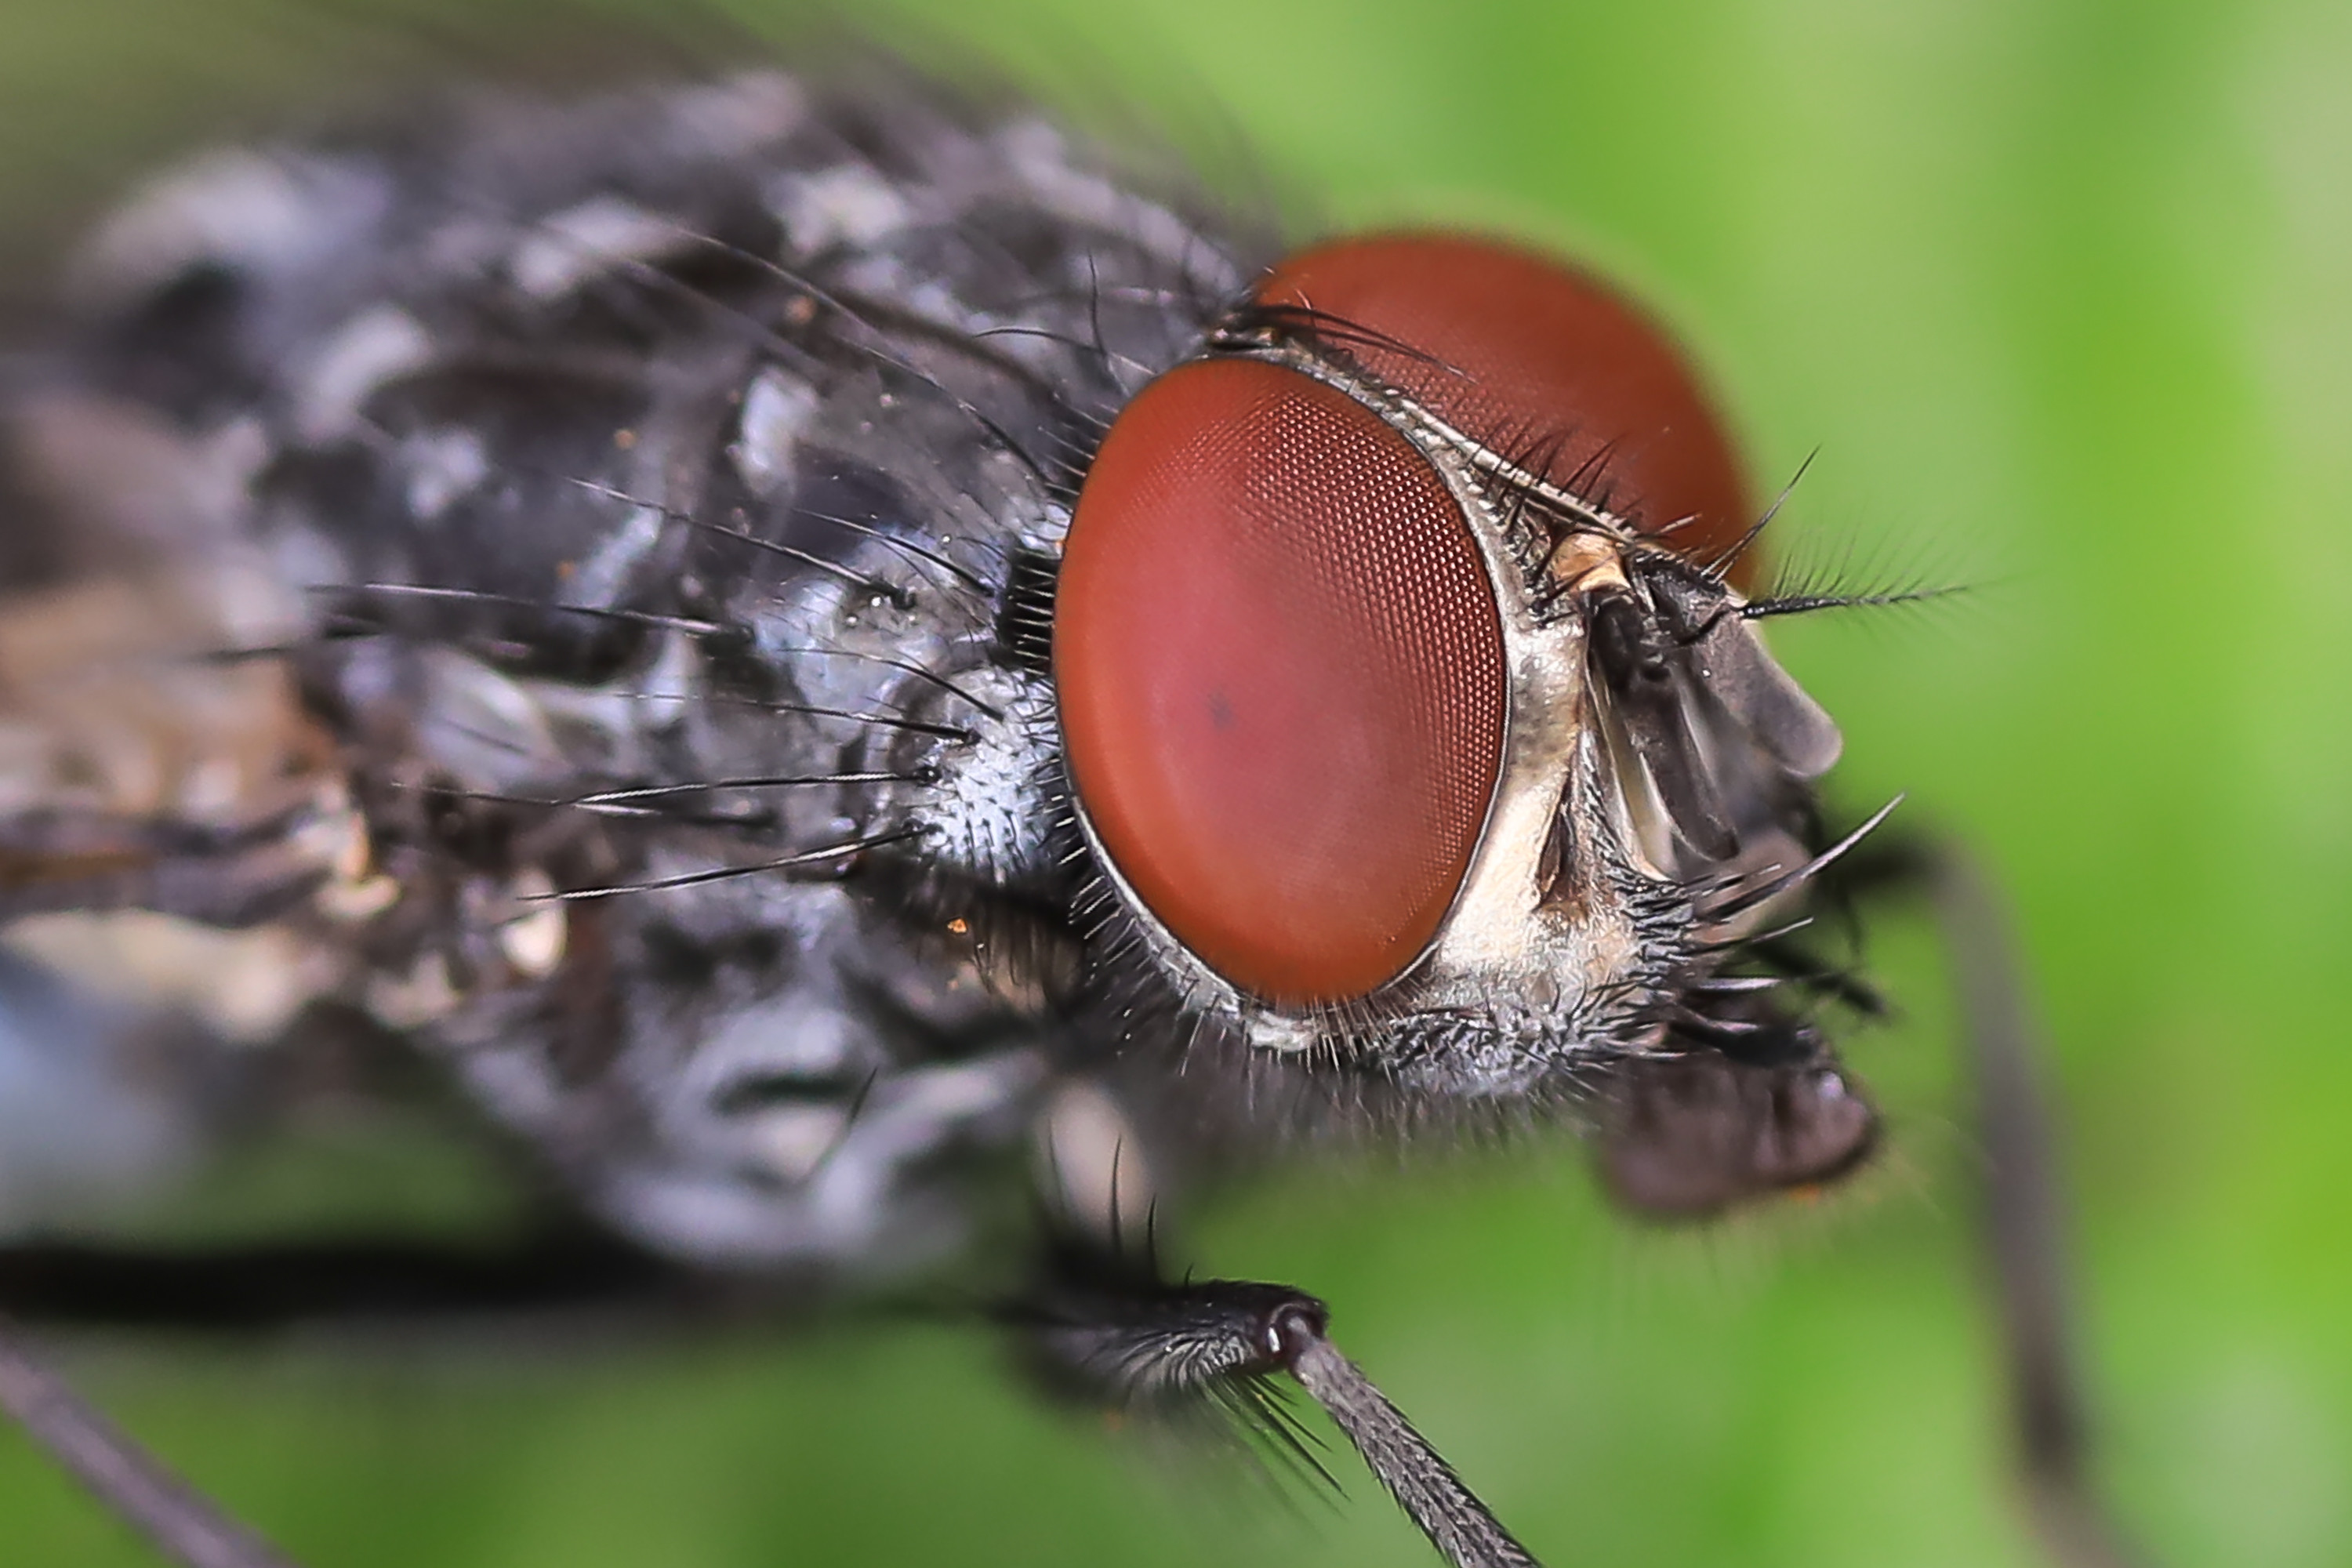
x=1025 y=611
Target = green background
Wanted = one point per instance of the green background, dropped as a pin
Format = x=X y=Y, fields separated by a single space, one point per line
x=2061 y=293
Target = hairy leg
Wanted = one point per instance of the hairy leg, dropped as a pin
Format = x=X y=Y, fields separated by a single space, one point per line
x=2022 y=1211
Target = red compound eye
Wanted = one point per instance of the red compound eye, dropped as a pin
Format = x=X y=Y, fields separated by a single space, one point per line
x=1537 y=360
x=1281 y=675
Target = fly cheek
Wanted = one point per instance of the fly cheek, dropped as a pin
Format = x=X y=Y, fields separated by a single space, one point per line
x=1281 y=672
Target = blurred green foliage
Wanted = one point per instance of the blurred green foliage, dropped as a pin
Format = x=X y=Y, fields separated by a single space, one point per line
x=2061 y=293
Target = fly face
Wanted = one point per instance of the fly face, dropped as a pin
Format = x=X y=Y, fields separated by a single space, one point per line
x=1410 y=700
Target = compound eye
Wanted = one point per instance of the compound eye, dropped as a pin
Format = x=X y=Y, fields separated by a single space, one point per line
x=1537 y=362
x=1280 y=669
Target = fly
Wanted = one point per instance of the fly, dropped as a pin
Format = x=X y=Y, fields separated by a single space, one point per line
x=816 y=646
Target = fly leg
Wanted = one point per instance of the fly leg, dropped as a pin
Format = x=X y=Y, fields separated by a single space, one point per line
x=258 y=1289
x=119 y=1470
x=1753 y=1113
x=1101 y=1322
x=266 y=1286
x=1111 y=1329
x=2022 y=1213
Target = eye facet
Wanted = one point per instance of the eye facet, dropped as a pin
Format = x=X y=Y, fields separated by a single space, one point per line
x=1537 y=362
x=1281 y=675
